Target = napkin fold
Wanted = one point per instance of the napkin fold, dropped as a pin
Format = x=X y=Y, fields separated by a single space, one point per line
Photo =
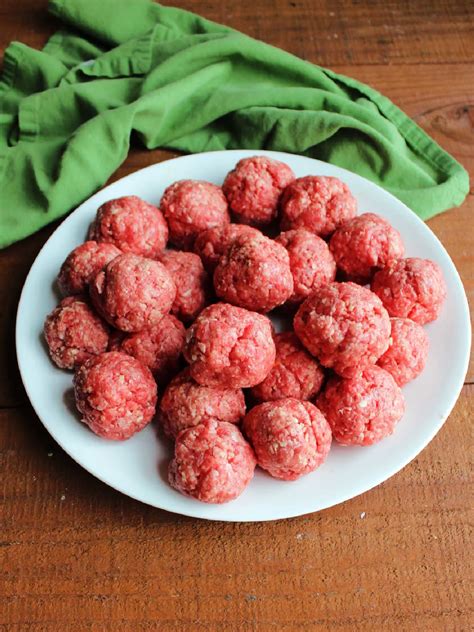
x=176 y=80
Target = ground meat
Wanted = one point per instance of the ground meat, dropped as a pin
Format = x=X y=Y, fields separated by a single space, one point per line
x=74 y=333
x=116 y=395
x=159 y=348
x=311 y=262
x=318 y=203
x=133 y=293
x=82 y=265
x=255 y=274
x=191 y=206
x=411 y=288
x=253 y=188
x=132 y=225
x=212 y=462
x=211 y=244
x=406 y=356
x=345 y=326
x=186 y=403
x=191 y=280
x=290 y=438
x=364 y=409
x=364 y=244
x=229 y=347
x=294 y=374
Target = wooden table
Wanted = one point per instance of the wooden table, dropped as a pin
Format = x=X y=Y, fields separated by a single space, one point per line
x=76 y=555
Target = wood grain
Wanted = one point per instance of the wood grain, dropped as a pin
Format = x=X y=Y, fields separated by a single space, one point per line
x=76 y=555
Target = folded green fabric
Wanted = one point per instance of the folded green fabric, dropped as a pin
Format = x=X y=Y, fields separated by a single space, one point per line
x=178 y=81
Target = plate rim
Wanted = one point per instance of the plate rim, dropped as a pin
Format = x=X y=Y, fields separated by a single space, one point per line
x=411 y=453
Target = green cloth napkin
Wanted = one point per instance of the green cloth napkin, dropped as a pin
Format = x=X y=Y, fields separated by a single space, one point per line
x=176 y=80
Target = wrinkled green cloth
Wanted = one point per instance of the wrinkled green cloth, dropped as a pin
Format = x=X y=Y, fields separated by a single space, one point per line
x=176 y=80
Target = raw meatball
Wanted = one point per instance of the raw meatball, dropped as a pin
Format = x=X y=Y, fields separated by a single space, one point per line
x=74 y=333
x=253 y=188
x=318 y=203
x=345 y=326
x=191 y=280
x=159 y=348
x=363 y=409
x=290 y=438
x=132 y=225
x=311 y=262
x=191 y=206
x=82 y=265
x=229 y=347
x=211 y=244
x=212 y=462
x=294 y=374
x=255 y=274
x=411 y=288
x=406 y=356
x=186 y=403
x=116 y=395
x=364 y=244
x=133 y=293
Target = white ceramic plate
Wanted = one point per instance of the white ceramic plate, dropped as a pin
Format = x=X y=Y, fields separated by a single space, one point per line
x=138 y=467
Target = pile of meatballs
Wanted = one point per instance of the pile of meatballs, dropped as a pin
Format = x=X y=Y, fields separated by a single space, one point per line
x=166 y=318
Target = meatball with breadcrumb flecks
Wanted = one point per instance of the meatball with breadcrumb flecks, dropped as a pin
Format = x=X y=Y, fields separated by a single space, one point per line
x=345 y=326
x=311 y=262
x=74 y=333
x=363 y=245
x=229 y=347
x=290 y=437
x=212 y=462
x=186 y=403
x=364 y=409
x=317 y=203
x=116 y=395
x=159 y=348
x=254 y=274
x=406 y=356
x=295 y=373
x=191 y=281
x=253 y=189
x=132 y=225
x=83 y=264
x=191 y=206
x=411 y=288
x=133 y=293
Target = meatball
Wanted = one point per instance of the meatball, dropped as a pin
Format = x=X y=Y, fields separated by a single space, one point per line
x=255 y=274
x=132 y=225
x=411 y=288
x=363 y=409
x=83 y=264
x=253 y=188
x=229 y=347
x=212 y=462
x=191 y=280
x=294 y=374
x=191 y=206
x=311 y=262
x=364 y=244
x=345 y=326
x=318 y=203
x=74 y=333
x=406 y=356
x=133 y=293
x=290 y=438
x=186 y=403
x=211 y=244
x=159 y=348
x=116 y=395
